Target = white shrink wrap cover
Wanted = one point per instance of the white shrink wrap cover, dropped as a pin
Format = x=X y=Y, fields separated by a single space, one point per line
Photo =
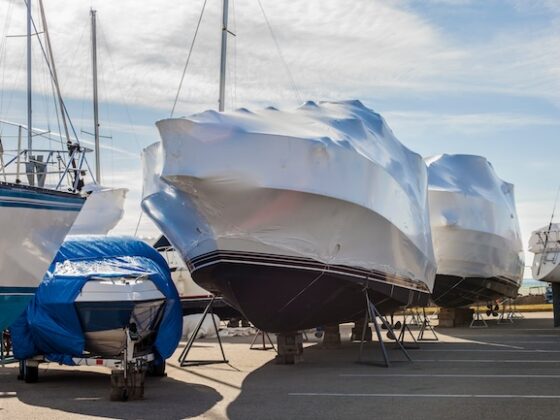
x=327 y=182
x=475 y=227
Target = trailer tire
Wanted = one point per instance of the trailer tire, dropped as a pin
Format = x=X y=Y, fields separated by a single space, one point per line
x=119 y=394
x=21 y=369
x=30 y=374
x=157 y=370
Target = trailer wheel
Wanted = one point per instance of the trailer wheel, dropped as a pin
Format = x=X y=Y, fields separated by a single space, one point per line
x=30 y=373
x=157 y=370
x=21 y=369
x=119 y=394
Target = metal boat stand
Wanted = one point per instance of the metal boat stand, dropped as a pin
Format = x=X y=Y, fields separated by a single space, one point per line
x=412 y=317
x=402 y=336
x=183 y=362
x=507 y=314
x=426 y=326
x=6 y=355
x=515 y=314
x=265 y=346
x=371 y=316
x=478 y=321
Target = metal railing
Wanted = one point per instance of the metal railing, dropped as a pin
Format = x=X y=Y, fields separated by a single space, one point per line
x=65 y=168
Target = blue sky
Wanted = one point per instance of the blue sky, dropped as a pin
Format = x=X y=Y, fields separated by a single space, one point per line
x=449 y=76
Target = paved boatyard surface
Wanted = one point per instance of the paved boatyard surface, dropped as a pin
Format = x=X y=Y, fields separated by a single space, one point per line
x=504 y=371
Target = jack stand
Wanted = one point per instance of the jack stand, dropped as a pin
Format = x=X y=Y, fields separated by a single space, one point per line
x=477 y=318
x=414 y=321
x=183 y=357
x=371 y=315
x=402 y=335
x=265 y=346
x=290 y=348
x=426 y=326
x=357 y=331
x=331 y=337
x=506 y=317
x=6 y=355
x=515 y=314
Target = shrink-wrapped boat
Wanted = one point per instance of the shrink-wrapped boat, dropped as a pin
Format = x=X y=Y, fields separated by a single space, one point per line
x=475 y=229
x=290 y=215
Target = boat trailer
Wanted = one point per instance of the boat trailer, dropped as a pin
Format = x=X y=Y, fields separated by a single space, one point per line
x=127 y=372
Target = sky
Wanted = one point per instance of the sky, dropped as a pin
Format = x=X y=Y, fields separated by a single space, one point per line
x=449 y=76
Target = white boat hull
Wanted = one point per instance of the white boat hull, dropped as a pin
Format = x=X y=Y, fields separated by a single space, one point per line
x=106 y=307
x=545 y=245
x=101 y=213
x=34 y=223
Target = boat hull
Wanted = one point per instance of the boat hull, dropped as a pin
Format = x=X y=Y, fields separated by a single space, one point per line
x=34 y=223
x=475 y=231
x=545 y=245
x=13 y=302
x=474 y=266
x=106 y=308
x=283 y=294
x=453 y=291
x=104 y=324
x=103 y=210
x=332 y=292
x=291 y=229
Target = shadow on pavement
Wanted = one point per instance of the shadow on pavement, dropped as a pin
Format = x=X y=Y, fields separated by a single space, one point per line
x=87 y=393
x=473 y=373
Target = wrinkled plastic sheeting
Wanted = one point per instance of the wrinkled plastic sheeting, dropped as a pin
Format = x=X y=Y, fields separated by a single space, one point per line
x=206 y=330
x=475 y=227
x=252 y=175
x=51 y=326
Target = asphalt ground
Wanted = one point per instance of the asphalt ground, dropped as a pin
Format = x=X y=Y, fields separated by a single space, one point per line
x=503 y=371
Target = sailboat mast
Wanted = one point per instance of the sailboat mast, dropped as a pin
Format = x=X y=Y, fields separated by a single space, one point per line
x=29 y=87
x=95 y=100
x=223 y=57
x=54 y=73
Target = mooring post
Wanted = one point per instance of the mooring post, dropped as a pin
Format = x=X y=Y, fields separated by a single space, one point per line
x=556 y=303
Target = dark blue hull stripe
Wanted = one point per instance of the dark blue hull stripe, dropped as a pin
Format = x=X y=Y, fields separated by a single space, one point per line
x=40 y=206
x=14 y=290
x=15 y=191
x=14 y=196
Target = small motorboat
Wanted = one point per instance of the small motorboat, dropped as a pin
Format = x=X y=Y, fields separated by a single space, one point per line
x=99 y=291
x=108 y=306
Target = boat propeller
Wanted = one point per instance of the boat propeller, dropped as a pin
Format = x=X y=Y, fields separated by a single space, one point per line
x=396 y=326
x=492 y=310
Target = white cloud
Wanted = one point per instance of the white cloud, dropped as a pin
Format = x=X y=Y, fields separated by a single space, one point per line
x=367 y=48
x=470 y=123
x=334 y=50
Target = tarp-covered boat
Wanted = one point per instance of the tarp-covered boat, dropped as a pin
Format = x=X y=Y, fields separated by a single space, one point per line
x=475 y=229
x=290 y=214
x=96 y=288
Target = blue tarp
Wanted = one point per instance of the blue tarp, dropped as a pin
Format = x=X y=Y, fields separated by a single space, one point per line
x=50 y=326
